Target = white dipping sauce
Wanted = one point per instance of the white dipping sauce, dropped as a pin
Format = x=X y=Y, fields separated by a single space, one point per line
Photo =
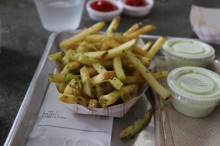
x=195 y=91
x=187 y=52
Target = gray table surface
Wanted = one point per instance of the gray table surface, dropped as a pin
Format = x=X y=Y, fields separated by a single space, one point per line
x=23 y=40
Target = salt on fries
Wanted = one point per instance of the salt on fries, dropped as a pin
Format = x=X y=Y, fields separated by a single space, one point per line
x=103 y=69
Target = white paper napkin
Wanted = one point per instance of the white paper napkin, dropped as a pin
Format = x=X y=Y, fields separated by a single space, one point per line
x=58 y=126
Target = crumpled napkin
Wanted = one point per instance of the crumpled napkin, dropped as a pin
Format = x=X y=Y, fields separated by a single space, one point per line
x=56 y=125
x=205 y=23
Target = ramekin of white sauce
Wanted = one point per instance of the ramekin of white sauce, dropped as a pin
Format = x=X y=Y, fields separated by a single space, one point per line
x=195 y=91
x=187 y=52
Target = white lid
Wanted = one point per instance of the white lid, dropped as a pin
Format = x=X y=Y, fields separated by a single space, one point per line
x=195 y=85
x=189 y=49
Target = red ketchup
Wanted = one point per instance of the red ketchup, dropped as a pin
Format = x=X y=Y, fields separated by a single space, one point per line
x=103 y=6
x=136 y=3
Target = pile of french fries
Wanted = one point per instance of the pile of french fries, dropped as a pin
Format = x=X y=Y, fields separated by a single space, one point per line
x=98 y=70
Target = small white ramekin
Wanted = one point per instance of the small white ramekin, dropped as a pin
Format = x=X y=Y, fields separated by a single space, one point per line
x=195 y=91
x=138 y=11
x=104 y=16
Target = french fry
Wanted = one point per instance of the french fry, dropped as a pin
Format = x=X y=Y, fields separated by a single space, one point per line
x=71 y=99
x=62 y=78
x=56 y=56
x=115 y=82
x=61 y=87
x=70 y=66
x=93 y=103
x=120 y=49
x=156 y=46
x=147 y=46
x=146 y=61
x=102 y=77
x=99 y=91
x=119 y=72
x=74 y=87
x=67 y=58
x=112 y=97
x=86 y=80
x=160 y=75
x=135 y=127
x=140 y=31
x=80 y=36
x=139 y=51
x=111 y=43
x=163 y=93
x=93 y=38
x=113 y=26
x=92 y=71
x=85 y=59
x=132 y=29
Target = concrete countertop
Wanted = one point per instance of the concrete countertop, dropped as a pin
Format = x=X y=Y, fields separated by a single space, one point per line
x=23 y=40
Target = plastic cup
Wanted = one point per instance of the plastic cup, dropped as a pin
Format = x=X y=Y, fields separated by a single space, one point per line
x=60 y=15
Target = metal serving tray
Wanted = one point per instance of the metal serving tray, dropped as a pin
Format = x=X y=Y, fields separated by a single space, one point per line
x=34 y=97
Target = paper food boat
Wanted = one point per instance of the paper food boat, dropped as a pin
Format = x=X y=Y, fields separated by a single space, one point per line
x=205 y=23
x=118 y=110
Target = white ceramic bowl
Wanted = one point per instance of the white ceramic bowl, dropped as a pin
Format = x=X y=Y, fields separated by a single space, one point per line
x=104 y=16
x=137 y=11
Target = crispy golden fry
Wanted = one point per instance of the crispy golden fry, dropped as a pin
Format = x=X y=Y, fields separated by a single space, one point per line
x=62 y=78
x=111 y=43
x=99 y=90
x=139 y=51
x=132 y=29
x=88 y=47
x=147 y=46
x=146 y=61
x=115 y=82
x=160 y=75
x=119 y=72
x=56 y=56
x=148 y=76
x=93 y=38
x=67 y=58
x=92 y=71
x=135 y=127
x=112 y=97
x=71 y=99
x=61 y=87
x=140 y=31
x=86 y=80
x=120 y=49
x=102 y=77
x=113 y=26
x=156 y=46
x=80 y=36
x=128 y=95
x=93 y=103
x=70 y=66
x=106 y=87
x=74 y=87
x=87 y=58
